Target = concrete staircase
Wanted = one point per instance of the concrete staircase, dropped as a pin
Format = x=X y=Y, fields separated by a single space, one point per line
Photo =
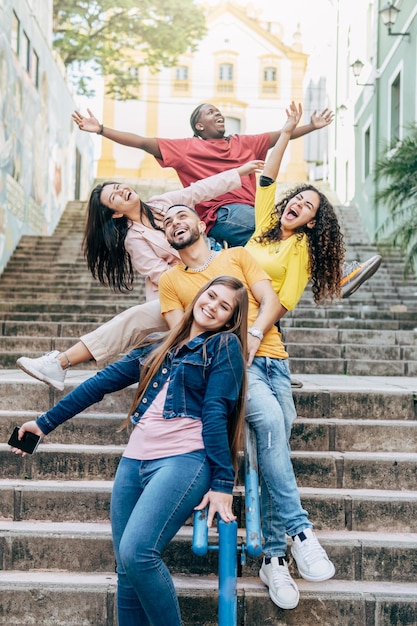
x=354 y=452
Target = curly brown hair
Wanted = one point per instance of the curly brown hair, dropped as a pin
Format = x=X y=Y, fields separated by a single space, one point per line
x=325 y=243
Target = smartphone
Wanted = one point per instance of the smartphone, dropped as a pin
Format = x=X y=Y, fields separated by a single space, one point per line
x=28 y=443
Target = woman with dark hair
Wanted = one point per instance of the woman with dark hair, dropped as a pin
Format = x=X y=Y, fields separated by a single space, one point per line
x=187 y=418
x=123 y=233
x=299 y=238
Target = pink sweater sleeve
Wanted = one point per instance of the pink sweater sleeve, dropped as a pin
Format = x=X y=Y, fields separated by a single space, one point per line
x=199 y=191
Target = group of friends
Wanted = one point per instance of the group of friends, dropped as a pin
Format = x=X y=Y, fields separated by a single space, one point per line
x=223 y=262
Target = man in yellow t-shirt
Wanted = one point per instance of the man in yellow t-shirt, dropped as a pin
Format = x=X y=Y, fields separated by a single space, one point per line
x=269 y=407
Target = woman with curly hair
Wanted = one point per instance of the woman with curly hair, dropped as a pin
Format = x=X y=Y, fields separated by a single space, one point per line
x=298 y=239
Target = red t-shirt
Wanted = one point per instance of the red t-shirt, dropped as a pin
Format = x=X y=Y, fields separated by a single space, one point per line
x=194 y=158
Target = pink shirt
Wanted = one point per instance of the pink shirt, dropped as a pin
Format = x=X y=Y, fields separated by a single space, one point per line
x=149 y=251
x=194 y=158
x=155 y=437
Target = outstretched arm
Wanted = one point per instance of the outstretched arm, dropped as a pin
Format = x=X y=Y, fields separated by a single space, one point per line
x=91 y=124
x=317 y=121
x=114 y=377
x=273 y=162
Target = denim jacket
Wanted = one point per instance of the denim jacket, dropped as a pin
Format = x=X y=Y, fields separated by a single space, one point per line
x=205 y=377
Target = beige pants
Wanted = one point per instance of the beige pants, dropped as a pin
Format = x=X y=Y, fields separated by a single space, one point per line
x=124 y=331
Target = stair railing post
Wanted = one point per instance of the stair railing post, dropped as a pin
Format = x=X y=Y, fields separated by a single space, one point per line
x=227 y=607
x=252 y=505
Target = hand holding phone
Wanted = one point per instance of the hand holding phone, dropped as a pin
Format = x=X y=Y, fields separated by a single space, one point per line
x=28 y=443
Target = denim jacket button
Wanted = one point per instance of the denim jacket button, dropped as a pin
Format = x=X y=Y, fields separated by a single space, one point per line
x=145 y=400
x=164 y=370
x=154 y=385
x=135 y=414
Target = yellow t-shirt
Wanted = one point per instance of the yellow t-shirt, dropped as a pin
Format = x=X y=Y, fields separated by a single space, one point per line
x=177 y=288
x=286 y=262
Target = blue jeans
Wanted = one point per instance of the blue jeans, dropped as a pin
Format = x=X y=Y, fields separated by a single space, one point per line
x=271 y=412
x=235 y=223
x=150 y=502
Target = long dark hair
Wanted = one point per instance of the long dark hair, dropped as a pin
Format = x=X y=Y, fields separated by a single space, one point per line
x=237 y=324
x=325 y=243
x=104 y=242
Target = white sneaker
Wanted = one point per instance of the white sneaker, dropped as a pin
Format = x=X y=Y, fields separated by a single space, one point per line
x=46 y=368
x=312 y=561
x=282 y=589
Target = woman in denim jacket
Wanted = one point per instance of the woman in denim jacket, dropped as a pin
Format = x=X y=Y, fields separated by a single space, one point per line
x=181 y=455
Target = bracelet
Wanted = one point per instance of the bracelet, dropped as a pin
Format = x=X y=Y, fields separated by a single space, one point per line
x=256 y=332
x=68 y=361
x=100 y=132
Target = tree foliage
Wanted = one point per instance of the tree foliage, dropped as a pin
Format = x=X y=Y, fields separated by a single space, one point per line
x=396 y=174
x=116 y=37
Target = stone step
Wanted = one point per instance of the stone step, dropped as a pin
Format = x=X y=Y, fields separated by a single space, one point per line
x=47 y=317
x=72 y=599
x=87 y=547
x=349 y=470
x=332 y=435
x=370 y=510
x=294 y=338
x=362 y=336
x=35 y=324
x=324 y=397
x=353 y=367
x=312 y=361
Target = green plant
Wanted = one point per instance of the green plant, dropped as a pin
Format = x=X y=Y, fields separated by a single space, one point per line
x=396 y=176
x=112 y=38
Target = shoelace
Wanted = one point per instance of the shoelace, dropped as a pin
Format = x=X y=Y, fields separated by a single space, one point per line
x=349 y=267
x=281 y=576
x=312 y=550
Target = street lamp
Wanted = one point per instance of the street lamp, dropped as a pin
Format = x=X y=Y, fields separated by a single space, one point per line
x=357 y=68
x=389 y=14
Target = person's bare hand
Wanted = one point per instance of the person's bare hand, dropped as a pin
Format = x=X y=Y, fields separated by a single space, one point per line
x=89 y=124
x=322 y=119
x=253 y=347
x=252 y=166
x=218 y=502
x=294 y=114
x=30 y=427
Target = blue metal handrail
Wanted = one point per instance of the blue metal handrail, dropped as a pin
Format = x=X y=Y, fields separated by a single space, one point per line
x=227 y=545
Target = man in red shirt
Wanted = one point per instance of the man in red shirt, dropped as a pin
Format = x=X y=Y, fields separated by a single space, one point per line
x=229 y=217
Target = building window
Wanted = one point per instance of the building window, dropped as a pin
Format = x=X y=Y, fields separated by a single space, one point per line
x=225 y=83
x=233 y=125
x=270 y=74
x=225 y=72
x=25 y=52
x=367 y=153
x=15 y=34
x=396 y=108
x=181 y=81
x=134 y=84
x=269 y=77
x=34 y=68
x=181 y=72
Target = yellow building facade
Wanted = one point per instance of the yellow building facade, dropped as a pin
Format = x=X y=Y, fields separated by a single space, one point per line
x=242 y=66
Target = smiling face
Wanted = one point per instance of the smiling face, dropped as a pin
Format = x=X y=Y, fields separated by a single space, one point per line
x=210 y=123
x=120 y=198
x=214 y=308
x=300 y=211
x=182 y=227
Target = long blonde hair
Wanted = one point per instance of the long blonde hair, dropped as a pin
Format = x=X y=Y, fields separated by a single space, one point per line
x=237 y=324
